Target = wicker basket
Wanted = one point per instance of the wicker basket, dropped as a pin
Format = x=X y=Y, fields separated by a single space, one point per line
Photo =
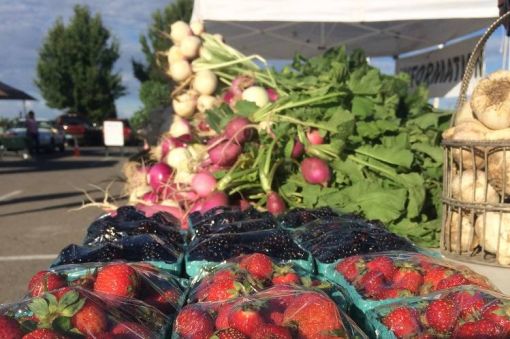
x=472 y=227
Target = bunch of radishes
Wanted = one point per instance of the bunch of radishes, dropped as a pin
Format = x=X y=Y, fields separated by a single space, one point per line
x=190 y=156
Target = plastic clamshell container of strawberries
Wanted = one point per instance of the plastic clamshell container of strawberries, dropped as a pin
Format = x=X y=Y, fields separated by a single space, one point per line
x=142 y=281
x=252 y=273
x=380 y=278
x=461 y=312
x=67 y=312
x=279 y=312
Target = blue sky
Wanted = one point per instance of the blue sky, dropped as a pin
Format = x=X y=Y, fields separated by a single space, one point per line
x=24 y=24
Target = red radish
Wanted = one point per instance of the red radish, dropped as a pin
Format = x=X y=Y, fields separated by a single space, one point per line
x=236 y=128
x=215 y=199
x=272 y=94
x=315 y=171
x=275 y=204
x=244 y=204
x=315 y=137
x=158 y=176
x=297 y=149
x=203 y=184
x=185 y=139
x=225 y=153
x=167 y=144
x=197 y=206
x=180 y=127
x=150 y=210
x=150 y=197
x=228 y=97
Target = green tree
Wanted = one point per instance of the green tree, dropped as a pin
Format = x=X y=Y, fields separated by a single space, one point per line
x=156 y=85
x=75 y=66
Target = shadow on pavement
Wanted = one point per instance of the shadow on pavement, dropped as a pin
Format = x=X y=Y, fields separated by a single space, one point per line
x=41 y=197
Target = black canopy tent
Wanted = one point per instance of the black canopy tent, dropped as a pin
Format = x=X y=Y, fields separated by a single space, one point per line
x=10 y=93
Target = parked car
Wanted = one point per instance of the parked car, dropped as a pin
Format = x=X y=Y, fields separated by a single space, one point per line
x=50 y=137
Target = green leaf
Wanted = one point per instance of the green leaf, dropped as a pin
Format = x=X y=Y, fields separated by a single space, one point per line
x=289 y=146
x=415 y=185
x=435 y=152
x=384 y=205
x=393 y=156
x=246 y=108
x=362 y=107
x=71 y=310
x=365 y=84
x=68 y=298
x=342 y=121
x=347 y=168
x=310 y=195
x=62 y=324
x=39 y=307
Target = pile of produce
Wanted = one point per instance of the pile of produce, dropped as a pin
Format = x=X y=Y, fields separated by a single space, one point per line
x=326 y=131
x=480 y=173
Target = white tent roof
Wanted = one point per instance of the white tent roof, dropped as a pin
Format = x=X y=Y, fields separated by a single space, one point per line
x=276 y=29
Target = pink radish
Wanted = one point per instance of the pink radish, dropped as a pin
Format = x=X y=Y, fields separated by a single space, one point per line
x=244 y=204
x=225 y=153
x=150 y=210
x=203 y=184
x=297 y=149
x=315 y=171
x=275 y=204
x=215 y=199
x=197 y=206
x=314 y=137
x=228 y=97
x=168 y=144
x=150 y=198
x=158 y=176
x=236 y=129
x=272 y=94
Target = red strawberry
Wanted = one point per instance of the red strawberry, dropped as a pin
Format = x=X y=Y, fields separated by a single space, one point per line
x=469 y=303
x=382 y=264
x=314 y=315
x=130 y=330
x=351 y=267
x=117 y=279
x=44 y=281
x=500 y=314
x=61 y=292
x=425 y=262
x=230 y=333
x=372 y=283
x=222 y=316
x=193 y=322
x=42 y=333
x=258 y=265
x=403 y=321
x=287 y=278
x=434 y=275
x=480 y=329
x=408 y=278
x=270 y=331
x=245 y=319
x=220 y=290
x=275 y=317
x=441 y=315
x=90 y=319
x=85 y=282
x=280 y=296
x=453 y=280
x=391 y=293
x=165 y=302
x=9 y=328
x=225 y=274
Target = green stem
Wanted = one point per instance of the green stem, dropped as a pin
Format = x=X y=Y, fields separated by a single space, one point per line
x=374 y=167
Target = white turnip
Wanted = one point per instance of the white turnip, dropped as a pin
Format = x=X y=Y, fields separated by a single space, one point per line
x=205 y=82
x=471 y=187
x=225 y=153
x=461 y=230
x=467 y=131
x=197 y=27
x=257 y=95
x=179 y=128
x=203 y=184
x=174 y=55
x=179 y=158
x=178 y=31
x=180 y=70
x=315 y=171
x=184 y=105
x=190 y=46
x=206 y=102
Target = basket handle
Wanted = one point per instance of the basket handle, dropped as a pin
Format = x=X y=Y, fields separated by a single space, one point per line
x=477 y=52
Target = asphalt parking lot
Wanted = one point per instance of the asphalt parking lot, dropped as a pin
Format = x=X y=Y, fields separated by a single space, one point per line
x=36 y=199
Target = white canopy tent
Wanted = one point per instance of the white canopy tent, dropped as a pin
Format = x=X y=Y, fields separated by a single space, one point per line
x=276 y=29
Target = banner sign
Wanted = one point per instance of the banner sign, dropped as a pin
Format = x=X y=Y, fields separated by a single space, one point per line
x=113 y=133
x=442 y=70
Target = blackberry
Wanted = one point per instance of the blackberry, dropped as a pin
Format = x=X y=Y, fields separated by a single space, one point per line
x=75 y=254
x=147 y=247
x=248 y=225
x=300 y=216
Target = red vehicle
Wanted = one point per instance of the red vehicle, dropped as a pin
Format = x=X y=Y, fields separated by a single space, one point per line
x=74 y=125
